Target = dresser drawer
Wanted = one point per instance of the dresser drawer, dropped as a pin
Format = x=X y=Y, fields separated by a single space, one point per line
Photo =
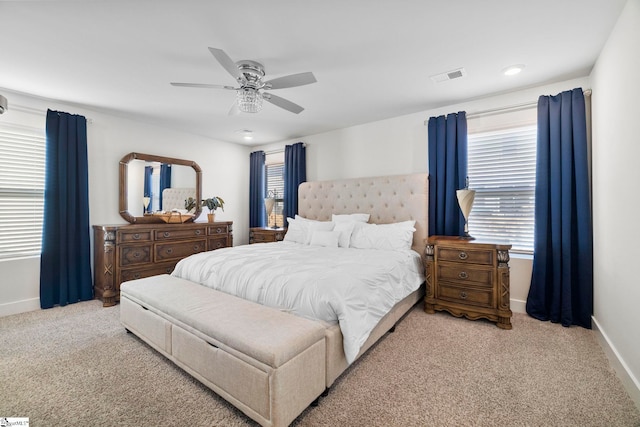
x=139 y=273
x=471 y=256
x=466 y=295
x=134 y=254
x=179 y=234
x=217 y=243
x=134 y=236
x=178 y=250
x=464 y=273
x=213 y=230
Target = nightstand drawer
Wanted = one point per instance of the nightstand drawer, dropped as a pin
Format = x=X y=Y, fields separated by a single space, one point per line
x=462 y=273
x=471 y=256
x=262 y=238
x=179 y=250
x=131 y=255
x=466 y=296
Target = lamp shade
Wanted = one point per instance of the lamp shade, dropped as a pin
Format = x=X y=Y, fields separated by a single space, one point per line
x=268 y=204
x=465 y=200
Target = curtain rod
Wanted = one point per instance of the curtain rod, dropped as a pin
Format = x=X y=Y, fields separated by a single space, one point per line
x=36 y=111
x=508 y=109
x=281 y=150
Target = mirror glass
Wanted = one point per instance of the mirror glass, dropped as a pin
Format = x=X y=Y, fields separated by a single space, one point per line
x=150 y=183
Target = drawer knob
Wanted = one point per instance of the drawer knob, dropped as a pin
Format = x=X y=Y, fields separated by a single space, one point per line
x=136 y=254
x=167 y=234
x=197 y=232
x=196 y=247
x=463 y=255
x=169 y=270
x=463 y=295
x=169 y=250
x=463 y=275
x=136 y=276
x=218 y=230
x=136 y=236
x=218 y=245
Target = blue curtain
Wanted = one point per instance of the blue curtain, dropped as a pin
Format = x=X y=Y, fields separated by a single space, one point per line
x=65 y=263
x=257 y=185
x=165 y=180
x=148 y=171
x=447 y=172
x=295 y=173
x=562 y=281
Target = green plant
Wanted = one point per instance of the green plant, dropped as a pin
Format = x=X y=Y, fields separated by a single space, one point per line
x=190 y=204
x=213 y=203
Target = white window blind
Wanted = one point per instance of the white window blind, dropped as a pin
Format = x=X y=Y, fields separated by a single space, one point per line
x=275 y=186
x=22 y=175
x=502 y=170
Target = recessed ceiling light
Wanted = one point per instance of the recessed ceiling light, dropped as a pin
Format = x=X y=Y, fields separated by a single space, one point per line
x=513 y=70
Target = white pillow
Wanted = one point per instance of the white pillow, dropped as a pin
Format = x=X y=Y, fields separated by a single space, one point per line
x=345 y=229
x=303 y=229
x=296 y=231
x=397 y=236
x=356 y=217
x=327 y=239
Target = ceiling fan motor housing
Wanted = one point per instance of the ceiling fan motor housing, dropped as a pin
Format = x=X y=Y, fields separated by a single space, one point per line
x=253 y=73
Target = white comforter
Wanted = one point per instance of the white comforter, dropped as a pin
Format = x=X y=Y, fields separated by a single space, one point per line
x=355 y=287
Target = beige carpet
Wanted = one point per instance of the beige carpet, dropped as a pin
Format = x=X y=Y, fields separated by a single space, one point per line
x=76 y=366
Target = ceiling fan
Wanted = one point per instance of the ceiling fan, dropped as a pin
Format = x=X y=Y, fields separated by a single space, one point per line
x=251 y=93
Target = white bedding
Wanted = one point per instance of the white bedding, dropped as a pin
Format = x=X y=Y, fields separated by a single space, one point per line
x=355 y=287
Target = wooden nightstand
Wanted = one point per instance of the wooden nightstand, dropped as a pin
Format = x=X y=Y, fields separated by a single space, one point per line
x=468 y=278
x=266 y=234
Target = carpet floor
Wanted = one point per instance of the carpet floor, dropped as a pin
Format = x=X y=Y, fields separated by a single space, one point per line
x=76 y=366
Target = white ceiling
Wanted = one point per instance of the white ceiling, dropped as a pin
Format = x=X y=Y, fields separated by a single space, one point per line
x=372 y=58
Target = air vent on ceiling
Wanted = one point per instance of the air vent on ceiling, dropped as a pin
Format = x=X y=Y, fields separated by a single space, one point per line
x=449 y=75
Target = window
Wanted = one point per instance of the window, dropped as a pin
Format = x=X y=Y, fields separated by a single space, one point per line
x=274 y=173
x=22 y=171
x=502 y=170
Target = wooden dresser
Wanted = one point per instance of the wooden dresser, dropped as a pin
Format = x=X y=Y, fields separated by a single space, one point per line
x=266 y=234
x=127 y=252
x=468 y=278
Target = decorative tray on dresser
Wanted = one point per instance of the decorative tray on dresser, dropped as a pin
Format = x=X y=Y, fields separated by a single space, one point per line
x=468 y=278
x=127 y=252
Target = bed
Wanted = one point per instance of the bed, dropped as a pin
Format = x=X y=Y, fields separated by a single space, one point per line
x=271 y=354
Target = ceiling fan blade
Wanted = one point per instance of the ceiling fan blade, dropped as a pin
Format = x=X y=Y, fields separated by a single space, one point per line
x=293 y=80
x=282 y=103
x=203 y=85
x=227 y=63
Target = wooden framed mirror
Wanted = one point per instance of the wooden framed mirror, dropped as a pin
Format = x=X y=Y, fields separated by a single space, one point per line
x=141 y=189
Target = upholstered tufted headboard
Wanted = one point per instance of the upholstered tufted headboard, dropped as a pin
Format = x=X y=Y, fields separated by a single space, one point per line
x=173 y=198
x=387 y=199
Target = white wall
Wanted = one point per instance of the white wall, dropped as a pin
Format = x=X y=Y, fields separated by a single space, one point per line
x=399 y=146
x=225 y=172
x=616 y=176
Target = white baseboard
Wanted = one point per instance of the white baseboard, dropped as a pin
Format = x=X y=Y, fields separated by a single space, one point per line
x=518 y=306
x=630 y=383
x=17 y=307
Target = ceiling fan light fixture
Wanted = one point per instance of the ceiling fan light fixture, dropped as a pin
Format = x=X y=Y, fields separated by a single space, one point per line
x=513 y=70
x=249 y=100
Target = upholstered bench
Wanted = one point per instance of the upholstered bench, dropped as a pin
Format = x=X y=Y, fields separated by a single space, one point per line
x=267 y=363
